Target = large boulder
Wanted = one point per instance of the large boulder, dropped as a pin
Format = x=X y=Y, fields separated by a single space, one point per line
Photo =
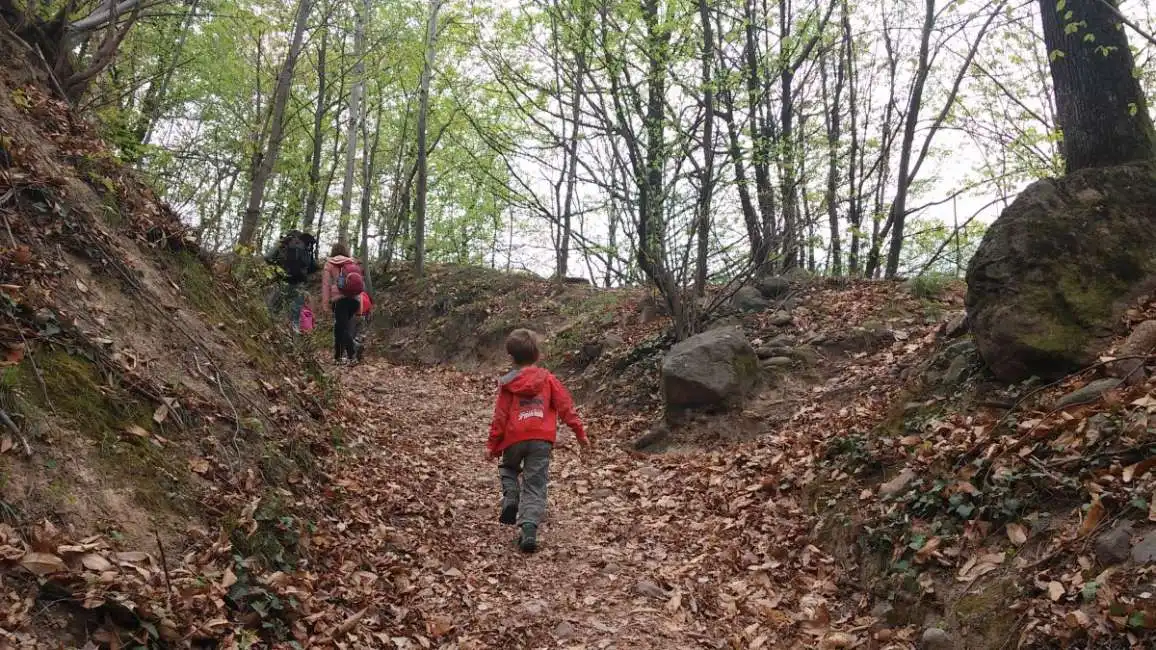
x=773 y=286
x=749 y=299
x=713 y=369
x=1055 y=272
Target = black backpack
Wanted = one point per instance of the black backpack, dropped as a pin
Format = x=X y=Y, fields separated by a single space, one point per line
x=298 y=255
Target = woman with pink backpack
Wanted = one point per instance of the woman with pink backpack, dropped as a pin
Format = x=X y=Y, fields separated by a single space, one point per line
x=341 y=286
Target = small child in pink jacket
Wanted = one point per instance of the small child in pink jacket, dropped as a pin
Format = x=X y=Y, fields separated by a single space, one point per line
x=307 y=315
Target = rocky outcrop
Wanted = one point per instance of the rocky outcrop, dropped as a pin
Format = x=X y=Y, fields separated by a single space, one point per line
x=714 y=369
x=1054 y=273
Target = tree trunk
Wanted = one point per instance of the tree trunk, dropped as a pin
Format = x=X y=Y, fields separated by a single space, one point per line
x=834 y=114
x=706 y=189
x=898 y=212
x=854 y=192
x=368 y=170
x=354 y=117
x=276 y=127
x=318 y=134
x=422 y=157
x=1100 y=106
x=154 y=98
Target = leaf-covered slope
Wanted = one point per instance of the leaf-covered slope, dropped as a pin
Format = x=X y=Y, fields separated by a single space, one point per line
x=149 y=412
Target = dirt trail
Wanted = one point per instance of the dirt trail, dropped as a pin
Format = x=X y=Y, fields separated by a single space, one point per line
x=630 y=556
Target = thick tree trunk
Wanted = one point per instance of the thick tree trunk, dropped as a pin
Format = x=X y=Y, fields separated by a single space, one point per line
x=280 y=99
x=1100 y=106
x=422 y=156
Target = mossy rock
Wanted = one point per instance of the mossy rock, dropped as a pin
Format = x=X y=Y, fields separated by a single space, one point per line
x=1055 y=272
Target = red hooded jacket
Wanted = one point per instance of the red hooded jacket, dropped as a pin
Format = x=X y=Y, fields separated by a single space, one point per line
x=530 y=400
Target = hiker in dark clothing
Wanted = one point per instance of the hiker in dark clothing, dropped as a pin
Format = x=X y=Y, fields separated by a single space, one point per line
x=296 y=255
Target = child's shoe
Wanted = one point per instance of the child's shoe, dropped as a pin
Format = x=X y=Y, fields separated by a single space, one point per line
x=529 y=541
x=509 y=514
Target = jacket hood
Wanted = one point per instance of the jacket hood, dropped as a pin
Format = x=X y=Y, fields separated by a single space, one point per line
x=338 y=260
x=524 y=381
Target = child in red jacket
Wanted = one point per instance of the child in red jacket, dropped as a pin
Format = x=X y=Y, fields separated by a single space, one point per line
x=523 y=431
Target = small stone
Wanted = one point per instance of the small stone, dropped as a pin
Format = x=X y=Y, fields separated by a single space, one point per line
x=1113 y=546
x=768 y=351
x=1140 y=342
x=563 y=630
x=955 y=372
x=936 y=639
x=1088 y=394
x=1144 y=552
x=884 y=611
x=804 y=354
x=650 y=590
x=958 y=349
x=956 y=326
x=781 y=318
x=778 y=362
x=896 y=485
x=534 y=608
x=781 y=341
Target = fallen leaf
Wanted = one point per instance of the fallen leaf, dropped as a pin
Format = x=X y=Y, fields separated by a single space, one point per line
x=6 y=444
x=1093 y=517
x=13 y=354
x=137 y=430
x=1138 y=469
x=43 y=564
x=199 y=465
x=439 y=625
x=929 y=548
x=229 y=579
x=1055 y=590
x=94 y=562
x=1077 y=618
x=1017 y=534
x=161 y=413
x=22 y=255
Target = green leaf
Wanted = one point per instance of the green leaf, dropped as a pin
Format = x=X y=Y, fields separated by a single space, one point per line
x=1055 y=54
x=1061 y=4
x=1089 y=591
x=1089 y=38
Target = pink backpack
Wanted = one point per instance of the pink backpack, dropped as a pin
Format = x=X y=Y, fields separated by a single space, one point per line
x=306 y=319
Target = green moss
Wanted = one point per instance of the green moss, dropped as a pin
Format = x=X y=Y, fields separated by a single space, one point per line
x=242 y=318
x=74 y=389
x=746 y=368
x=76 y=393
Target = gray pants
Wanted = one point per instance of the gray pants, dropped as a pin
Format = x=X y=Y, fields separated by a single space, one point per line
x=531 y=459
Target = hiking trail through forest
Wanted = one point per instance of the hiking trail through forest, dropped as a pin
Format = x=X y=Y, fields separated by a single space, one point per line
x=625 y=558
